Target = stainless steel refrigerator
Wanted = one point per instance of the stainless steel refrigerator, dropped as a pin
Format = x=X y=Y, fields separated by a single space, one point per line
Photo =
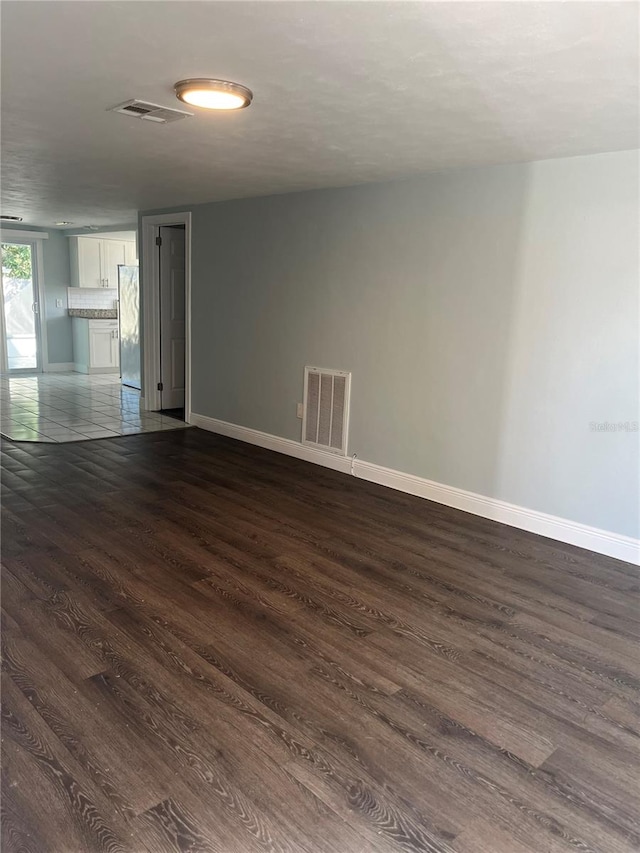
x=129 y=317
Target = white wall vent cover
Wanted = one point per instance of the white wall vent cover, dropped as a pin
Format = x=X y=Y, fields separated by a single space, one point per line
x=150 y=112
x=325 y=421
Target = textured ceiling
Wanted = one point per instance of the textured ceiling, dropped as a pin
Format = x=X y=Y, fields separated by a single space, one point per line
x=345 y=92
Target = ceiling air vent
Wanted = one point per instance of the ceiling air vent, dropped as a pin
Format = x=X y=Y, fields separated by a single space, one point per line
x=326 y=409
x=149 y=112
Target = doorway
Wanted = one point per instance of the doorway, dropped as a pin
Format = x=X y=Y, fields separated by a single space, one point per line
x=165 y=262
x=20 y=322
x=171 y=248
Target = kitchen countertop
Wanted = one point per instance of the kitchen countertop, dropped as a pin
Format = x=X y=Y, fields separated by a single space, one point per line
x=94 y=313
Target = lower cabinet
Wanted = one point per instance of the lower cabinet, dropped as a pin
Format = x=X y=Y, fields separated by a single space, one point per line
x=96 y=346
x=103 y=344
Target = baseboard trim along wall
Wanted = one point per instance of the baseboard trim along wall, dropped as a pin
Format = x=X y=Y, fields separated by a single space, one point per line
x=551 y=526
x=82 y=368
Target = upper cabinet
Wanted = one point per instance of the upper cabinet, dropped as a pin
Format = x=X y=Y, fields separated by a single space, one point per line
x=113 y=253
x=89 y=265
x=130 y=255
x=94 y=261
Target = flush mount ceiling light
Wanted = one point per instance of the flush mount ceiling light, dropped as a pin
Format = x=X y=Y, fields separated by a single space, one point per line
x=64 y=222
x=213 y=94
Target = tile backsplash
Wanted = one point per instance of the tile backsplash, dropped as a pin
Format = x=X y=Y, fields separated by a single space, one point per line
x=92 y=297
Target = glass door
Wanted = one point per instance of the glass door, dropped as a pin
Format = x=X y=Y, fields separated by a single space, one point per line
x=20 y=308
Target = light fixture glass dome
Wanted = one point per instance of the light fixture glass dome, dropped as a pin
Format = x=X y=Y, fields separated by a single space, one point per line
x=213 y=94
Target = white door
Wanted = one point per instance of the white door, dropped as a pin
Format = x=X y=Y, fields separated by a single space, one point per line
x=90 y=262
x=172 y=317
x=113 y=253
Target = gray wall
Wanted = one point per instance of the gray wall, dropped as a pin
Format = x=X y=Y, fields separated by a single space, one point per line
x=56 y=280
x=489 y=317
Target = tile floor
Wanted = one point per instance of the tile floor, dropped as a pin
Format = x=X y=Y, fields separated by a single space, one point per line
x=61 y=407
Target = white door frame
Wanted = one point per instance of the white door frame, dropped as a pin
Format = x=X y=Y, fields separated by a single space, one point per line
x=33 y=239
x=150 y=326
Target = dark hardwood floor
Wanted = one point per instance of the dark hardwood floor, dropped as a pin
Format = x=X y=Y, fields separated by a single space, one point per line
x=208 y=646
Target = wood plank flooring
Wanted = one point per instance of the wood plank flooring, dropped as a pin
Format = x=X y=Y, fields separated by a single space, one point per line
x=211 y=647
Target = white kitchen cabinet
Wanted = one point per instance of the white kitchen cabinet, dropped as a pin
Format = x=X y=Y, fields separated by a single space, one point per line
x=94 y=261
x=104 y=347
x=89 y=263
x=130 y=253
x=113 y=253
x=96 y=346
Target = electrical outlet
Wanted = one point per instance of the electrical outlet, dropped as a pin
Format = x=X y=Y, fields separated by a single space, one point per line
x=58 y=303
x=300 y=410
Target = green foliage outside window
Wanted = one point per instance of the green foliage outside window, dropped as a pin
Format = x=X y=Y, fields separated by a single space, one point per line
x=16 y=261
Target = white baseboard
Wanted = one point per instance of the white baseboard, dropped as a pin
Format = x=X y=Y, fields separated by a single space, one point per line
x=60 y=367
x=273 y=442
x=551 y=526
x=82 y=368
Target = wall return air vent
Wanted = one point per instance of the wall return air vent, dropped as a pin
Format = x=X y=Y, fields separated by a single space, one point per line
x=326 y=409
x=150 y=112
